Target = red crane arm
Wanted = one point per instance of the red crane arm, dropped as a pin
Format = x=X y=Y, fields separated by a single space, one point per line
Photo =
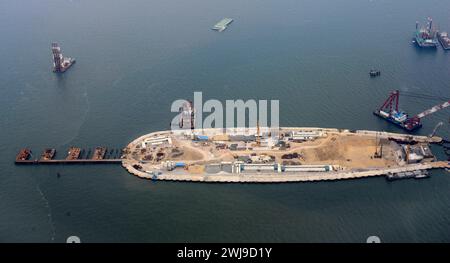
x=391 y=101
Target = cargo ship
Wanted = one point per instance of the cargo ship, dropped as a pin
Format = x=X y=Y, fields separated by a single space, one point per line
x=444 y=40
x=425 y=37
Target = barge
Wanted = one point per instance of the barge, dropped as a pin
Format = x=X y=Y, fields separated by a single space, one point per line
x=408 y=175
x=73 y=153
x=390 y=111
x=444 y=40
x=48 y=154
x=23 y=155
x=222 y=24
x=399 y=118
x=74 y=156
x=374 y=73
x=99 y=153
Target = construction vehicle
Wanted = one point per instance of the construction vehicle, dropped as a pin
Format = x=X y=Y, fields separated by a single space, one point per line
x=378 y=153
x=390 y=111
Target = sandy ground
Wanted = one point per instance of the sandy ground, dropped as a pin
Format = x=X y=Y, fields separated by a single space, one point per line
x=346 y=151
x=349 y=151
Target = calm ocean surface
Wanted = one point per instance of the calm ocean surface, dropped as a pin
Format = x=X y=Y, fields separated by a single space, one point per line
x=135 y=57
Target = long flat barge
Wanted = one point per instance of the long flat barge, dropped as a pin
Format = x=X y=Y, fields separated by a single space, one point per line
x=444 y=40
x=222 y=24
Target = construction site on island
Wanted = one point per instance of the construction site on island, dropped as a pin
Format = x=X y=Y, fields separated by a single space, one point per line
x=263 y=154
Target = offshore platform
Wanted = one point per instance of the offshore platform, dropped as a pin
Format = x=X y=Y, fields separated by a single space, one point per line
x=425 y=36
x=60 y=63
x=390 y=111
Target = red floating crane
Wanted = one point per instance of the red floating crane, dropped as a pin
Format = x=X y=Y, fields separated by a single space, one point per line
x=390 y=112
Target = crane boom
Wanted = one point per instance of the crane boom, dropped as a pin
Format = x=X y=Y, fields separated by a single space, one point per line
x=389 y=110
x=435 y=129
x=433 y=109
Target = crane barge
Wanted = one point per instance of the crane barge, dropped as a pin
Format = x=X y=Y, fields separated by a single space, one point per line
x=390 y=111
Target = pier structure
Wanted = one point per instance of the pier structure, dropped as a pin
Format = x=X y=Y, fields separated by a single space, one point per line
x=75 y=155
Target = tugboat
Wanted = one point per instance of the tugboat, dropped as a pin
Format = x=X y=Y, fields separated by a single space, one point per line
x=425 y=37
x=444 y=40
x=374 y=73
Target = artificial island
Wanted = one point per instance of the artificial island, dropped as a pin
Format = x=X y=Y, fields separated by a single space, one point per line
x=293 y=155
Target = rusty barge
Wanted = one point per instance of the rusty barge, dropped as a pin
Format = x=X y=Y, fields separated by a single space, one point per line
x=75 y=155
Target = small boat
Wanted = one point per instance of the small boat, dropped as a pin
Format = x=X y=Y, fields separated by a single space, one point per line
x=421 y=175
x=374 y=73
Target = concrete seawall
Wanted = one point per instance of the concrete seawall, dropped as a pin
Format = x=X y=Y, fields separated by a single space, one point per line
x=282 y=178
